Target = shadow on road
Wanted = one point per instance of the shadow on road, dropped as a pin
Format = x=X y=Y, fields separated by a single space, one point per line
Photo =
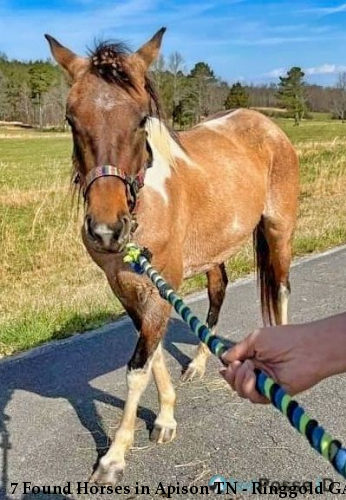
x=67 y=370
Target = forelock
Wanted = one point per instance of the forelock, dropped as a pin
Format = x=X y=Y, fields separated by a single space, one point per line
x=110 y=61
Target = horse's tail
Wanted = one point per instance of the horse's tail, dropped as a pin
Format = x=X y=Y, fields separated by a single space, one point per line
x=265 y=275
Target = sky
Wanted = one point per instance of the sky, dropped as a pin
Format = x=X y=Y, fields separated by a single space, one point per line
x=242 y=40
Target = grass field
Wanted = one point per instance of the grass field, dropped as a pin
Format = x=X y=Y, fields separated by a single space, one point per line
x=49 y=286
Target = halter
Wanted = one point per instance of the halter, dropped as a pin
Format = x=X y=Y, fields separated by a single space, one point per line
x=133 y=183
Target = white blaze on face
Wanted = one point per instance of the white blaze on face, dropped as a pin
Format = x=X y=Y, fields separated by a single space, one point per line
x=105 y=101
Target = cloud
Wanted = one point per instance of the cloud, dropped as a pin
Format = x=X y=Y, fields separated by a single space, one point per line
x=288 y=28
x=325 y=69
x=275 y=40
x=275 y=73
x=326 y=11
x=75 y=28
x=76 y=24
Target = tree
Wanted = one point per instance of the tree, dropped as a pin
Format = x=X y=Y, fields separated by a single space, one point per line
x=291 y=93
x=157 y=70
x=3 y=96
x=237 y=97
x=41 y=77
x=339 y=97
x=263 y=96
x=175 y=66
x=318 y=98
x=201 y=77
x=13 y=93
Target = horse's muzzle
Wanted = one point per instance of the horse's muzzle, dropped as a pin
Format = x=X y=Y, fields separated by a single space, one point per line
x=105 y=237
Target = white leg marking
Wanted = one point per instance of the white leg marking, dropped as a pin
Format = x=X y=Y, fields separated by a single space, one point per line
x=165 y=423
x=196 y=368
x=283 y=296
x=113 y=463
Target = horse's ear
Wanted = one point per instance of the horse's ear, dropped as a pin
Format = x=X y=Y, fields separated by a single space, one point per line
x=150 y=50
x=67 y=59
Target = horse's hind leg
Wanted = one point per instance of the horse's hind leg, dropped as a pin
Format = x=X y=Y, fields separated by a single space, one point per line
x=281 y=256
x=217 y=283
x=275 y=237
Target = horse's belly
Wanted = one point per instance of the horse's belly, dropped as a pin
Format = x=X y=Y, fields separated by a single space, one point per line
x=205 y=250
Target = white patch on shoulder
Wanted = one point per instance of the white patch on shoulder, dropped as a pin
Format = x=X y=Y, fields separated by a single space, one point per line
x=158 y=173
x=219 y=122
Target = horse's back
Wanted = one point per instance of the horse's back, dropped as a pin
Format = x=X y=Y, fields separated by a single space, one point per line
x=245 y=149
x=238 y=171
x=242 y=128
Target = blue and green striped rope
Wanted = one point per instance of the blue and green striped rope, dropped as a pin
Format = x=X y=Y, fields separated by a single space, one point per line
x=319 y=439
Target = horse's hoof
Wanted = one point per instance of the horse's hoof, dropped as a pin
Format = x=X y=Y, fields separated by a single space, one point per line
x=161 y=434
x=193 y=372
x=109 y=474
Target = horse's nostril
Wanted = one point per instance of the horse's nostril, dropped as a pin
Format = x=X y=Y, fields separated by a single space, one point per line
x=117 y=230
x=89 y=227
x=125 y=222
x=120 y=231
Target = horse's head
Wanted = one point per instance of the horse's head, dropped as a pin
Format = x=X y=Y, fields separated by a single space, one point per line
x=109 y=101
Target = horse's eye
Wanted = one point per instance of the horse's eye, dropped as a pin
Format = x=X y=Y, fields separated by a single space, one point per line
x=69 y=120
x=143 y=122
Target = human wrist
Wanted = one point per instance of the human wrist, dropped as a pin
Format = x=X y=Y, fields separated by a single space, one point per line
x=329 y=344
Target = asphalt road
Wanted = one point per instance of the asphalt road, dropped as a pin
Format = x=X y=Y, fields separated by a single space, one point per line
x=59 y=405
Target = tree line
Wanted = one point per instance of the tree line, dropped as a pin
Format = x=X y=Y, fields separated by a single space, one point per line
x=34 y=93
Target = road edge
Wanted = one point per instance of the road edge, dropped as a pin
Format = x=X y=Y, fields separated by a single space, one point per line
x=119 y=323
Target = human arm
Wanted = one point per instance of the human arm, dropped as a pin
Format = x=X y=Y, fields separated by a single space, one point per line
x=295 y=356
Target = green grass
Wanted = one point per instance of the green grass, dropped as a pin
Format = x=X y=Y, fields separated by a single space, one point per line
x=34 y=162
x=320 y=116
x=313 y=130
x=50 y=288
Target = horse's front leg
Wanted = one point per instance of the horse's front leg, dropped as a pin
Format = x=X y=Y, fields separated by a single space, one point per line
x=153 y=324
x=165 y=425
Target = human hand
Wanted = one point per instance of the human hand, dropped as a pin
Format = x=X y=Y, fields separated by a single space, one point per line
x=295 y=356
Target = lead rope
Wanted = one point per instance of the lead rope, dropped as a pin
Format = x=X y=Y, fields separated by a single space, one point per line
x=330 y=448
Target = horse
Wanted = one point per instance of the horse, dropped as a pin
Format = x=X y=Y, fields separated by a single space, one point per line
x=192 y=198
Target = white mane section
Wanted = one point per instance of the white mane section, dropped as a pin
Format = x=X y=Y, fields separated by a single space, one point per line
x=166 y=151
x=160 y=139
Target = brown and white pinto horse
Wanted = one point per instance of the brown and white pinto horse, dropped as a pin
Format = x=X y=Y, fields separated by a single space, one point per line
x=206 y=191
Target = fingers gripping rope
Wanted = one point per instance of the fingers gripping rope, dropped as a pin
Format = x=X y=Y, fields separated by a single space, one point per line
x=319 y=439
